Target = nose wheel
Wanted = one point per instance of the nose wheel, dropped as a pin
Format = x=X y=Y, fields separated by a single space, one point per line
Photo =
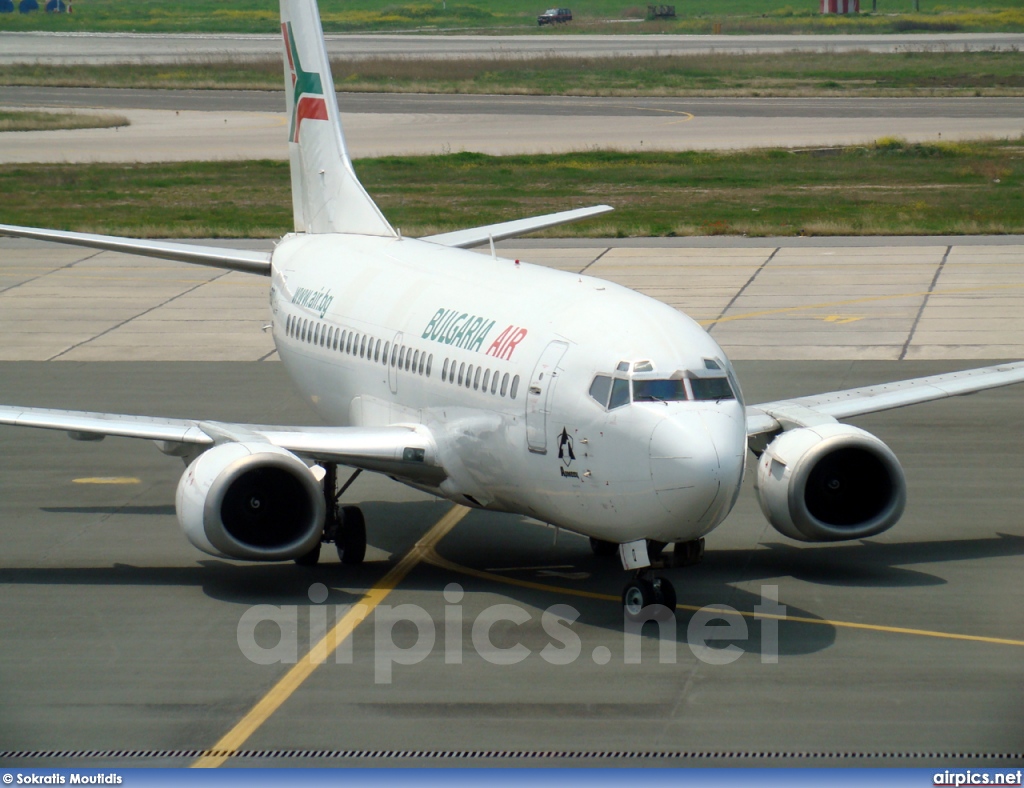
x=643 y=591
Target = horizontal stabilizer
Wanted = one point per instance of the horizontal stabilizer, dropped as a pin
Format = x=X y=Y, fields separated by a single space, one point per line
x=476 y=236
x=249 y=261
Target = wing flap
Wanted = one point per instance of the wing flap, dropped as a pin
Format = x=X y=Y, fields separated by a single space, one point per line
x=476 y=236
x=772 y=416
x=245 y=260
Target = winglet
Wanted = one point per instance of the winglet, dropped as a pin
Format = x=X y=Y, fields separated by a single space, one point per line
x=326 y=194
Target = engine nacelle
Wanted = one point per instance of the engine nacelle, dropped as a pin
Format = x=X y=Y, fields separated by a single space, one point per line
x=829 y=483
x=252 y=501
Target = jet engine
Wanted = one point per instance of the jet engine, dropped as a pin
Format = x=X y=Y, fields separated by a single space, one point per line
x=830 y=483
x=252 y=501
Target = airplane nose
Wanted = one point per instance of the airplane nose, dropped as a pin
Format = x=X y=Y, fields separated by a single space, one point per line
x=697 y=465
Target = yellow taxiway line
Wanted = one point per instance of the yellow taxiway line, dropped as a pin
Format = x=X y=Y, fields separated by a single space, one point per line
x=303 y=669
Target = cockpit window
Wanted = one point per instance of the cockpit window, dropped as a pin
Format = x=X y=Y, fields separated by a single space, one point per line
x=600 y=389
x=620 y=393
x=711 y=388
x=659 y=390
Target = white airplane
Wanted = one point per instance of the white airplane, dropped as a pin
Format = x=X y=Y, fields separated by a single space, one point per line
x=495 y=384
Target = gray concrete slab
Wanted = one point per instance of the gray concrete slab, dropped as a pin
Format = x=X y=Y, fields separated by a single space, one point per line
x=786 y=302
x=116 y=635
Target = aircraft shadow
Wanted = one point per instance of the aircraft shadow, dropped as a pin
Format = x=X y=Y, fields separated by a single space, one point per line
x=513 y=552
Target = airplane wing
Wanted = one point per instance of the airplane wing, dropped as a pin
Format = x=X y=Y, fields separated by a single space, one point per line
x=248 y=261
x=406 y=451
x=818 y=408
x=476 y=236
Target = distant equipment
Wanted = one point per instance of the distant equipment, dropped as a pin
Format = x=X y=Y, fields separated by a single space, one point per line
x=840 y=6
x=28 y=6
x=56 y=7
x=554 y=16
x=661 y=12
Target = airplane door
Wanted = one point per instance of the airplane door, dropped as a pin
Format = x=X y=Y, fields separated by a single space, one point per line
x=393 y=368
x=538 y=396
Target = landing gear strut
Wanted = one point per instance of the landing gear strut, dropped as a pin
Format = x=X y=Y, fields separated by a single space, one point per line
x=644 y=590
x=345 y=526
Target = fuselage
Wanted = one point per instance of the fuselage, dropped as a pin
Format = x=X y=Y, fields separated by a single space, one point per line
x=558 y=396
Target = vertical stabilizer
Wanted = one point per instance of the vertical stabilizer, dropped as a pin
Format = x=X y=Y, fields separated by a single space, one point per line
x=326 y=195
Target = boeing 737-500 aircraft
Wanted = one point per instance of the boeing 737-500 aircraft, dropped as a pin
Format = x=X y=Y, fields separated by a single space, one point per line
x=494 y=384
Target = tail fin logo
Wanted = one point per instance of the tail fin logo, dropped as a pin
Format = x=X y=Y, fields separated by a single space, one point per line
x=308 y=91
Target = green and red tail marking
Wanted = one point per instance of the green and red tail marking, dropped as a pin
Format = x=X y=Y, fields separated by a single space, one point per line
x=308 y=90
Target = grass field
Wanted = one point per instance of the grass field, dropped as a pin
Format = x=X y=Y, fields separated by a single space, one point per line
x=889 y=188
x=50 y=121
x=693 y=16
x=781 y=74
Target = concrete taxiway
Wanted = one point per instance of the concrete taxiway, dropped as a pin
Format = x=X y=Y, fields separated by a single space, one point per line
x=191 y=125
x=121 y=643
x=795 y=298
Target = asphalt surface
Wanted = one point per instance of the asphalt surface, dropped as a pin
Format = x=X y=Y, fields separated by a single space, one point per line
x=563 y=106
x=74 y=48
x=116 y=635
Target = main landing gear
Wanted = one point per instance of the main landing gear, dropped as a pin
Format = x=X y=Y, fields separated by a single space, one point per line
x=345 y=526
x=644 y=589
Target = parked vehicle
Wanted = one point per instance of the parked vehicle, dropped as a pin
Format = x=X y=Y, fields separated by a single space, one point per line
x=553 y=15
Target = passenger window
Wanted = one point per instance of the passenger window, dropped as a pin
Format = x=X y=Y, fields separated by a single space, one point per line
x=401 y=357
x=444 y=371
x=305 y=325
x=600 y=389
x=415 y=360
x=487 y=379
x=362 y=347
x=316 y=334
x=469 y=376
x=515 y=387
x=376 y=351
x=462 y=372
x=504 y=384
x=408 y=359
x=348 y=344
x=620 y=394
x=384 y=355
x=430 y=363
x=476 y=379
x=394 y=353
x=494 y=382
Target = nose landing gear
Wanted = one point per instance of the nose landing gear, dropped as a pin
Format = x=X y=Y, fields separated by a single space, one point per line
x=644 y=590
x=345 y=526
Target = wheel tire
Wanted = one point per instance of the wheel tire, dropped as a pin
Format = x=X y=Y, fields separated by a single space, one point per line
x=665 y=594
x=603 y=549
x=637 y=595
x=351 y=538
x=312 y=558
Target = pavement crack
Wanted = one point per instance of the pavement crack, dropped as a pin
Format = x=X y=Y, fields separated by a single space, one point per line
x=924 y=303
x=136 y=317
x=52 y=271
x=743 y=289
